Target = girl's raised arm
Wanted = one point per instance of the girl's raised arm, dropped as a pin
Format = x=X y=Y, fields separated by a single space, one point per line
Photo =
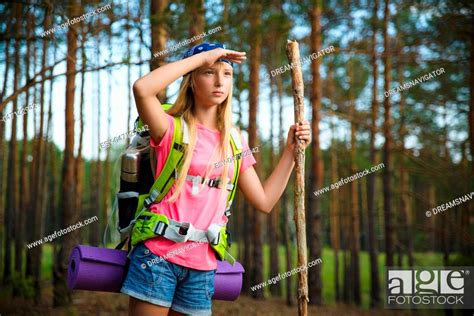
x=147 y=87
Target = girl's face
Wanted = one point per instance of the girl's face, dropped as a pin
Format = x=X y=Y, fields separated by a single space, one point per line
x=212 y=84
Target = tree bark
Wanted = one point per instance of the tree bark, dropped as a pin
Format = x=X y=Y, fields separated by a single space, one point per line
x=129 y=78
x=62 y=295
x=471 y=102
x=387 y=158
x=256 y=215
x=371 y=206
x=355 y=219
x=97 y=229
x=3 y=150
x=406 y=235
x=25 y=201
x=159 y=36
x=79 y=166
x=317 y=168
x=273 y=223
x=334 y=201
x=41 y=163
x=106 y=193
x=12 y=202
x=287 y=241
x=334 y=221
x=31 y=220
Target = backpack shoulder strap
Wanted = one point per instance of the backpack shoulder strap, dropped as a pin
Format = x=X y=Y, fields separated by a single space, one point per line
x=236 y=145
x=166 y=178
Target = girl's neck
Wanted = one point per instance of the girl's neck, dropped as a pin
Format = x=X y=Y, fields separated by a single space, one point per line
x=206 y=117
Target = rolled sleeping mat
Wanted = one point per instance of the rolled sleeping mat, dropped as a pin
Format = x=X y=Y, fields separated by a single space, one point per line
x=228 y=281
x=96 y=269
x=103 y=269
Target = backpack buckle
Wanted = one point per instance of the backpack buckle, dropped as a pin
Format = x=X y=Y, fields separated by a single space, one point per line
x=160 y=228
x=183 y=229
x=213 y=183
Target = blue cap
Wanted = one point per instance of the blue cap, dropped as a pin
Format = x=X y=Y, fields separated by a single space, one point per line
x=204 y=47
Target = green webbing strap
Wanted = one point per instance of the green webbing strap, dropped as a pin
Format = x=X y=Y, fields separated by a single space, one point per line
x=166 y=178
x=237 y=163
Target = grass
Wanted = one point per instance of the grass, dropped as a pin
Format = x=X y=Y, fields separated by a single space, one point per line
x=328 y=266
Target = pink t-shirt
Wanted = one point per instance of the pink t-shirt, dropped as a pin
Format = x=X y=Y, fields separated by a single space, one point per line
x=203 y=209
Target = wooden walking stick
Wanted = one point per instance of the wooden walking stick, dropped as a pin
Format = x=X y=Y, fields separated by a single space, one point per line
x=293 y=53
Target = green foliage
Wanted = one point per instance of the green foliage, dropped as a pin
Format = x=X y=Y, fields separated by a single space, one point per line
x=23 y=285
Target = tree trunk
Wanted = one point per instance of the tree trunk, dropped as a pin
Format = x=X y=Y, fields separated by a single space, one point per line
x=334 y=218
x=387 y=158
x=31 y=220
x=247 y=232
x=97 y=229
x=471 y=103
x=25 y=200
x=432 y=221
x=316 y=182
x=3 y=151
x=129 y=76
x=371 y=206
x=24 y=187
x=355 y=219
x=106 y=198
x=406 y=233
x=79 y=166
x=50 y=186
x=334 y=201
x=12 y=192
x=159 y=37
x=256 y=215
x=62 y=295
x=468 y=249
x=196 y=25
x=273 y=227
x=346 y=292
x=41 y=163
x=287 y=241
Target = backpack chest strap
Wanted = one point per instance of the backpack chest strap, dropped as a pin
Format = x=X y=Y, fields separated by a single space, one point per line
x=213 y=183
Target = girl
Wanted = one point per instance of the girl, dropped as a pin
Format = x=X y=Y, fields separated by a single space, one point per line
x=183 y=283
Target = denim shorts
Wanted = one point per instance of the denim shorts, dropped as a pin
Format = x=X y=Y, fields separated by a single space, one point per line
x=152 y=279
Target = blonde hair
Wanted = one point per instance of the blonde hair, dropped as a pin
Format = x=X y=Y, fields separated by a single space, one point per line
x=184 y=106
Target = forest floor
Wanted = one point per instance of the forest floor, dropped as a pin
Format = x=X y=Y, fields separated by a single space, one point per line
x=100 y=303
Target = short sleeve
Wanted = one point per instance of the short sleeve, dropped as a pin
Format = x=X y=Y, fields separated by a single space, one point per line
x=165 y=142
x=247 y=155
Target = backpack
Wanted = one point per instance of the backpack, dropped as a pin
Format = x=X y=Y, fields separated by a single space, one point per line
x=139 y=190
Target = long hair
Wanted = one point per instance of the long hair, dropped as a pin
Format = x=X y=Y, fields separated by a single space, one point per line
x=185 y=106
